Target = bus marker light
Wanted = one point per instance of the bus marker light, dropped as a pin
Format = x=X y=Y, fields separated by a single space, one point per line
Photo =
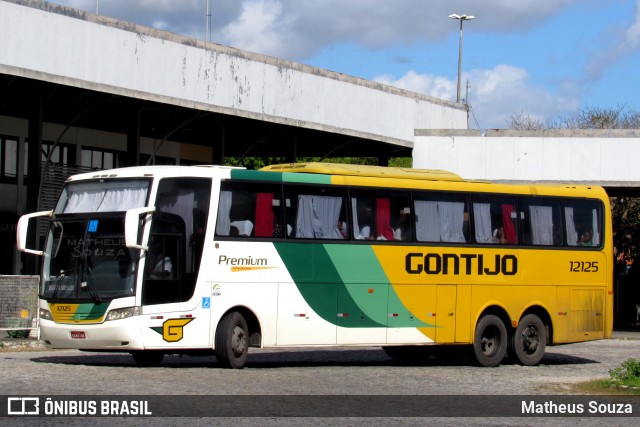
x=370 y=290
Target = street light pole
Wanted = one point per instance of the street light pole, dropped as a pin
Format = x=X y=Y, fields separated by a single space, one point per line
x=460 y=18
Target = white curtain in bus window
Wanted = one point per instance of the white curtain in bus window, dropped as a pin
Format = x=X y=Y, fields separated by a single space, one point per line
x=92 y=197
x=244 y=227
x=318 y=217
x=482 y=222
x=356 y=225
x=223 y=222
x=589 y=224
x=541 y=218
x=440 y=221
x=572 y=233
x=596 y=234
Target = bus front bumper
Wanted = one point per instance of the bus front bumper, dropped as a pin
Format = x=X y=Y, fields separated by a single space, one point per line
x=113 y=335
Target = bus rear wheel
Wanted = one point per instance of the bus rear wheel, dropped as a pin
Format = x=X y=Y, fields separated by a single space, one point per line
x=490 y=341
x=529 y=340
x=232 y=343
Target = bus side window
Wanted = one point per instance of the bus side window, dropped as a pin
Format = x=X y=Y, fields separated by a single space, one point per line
x=381 y=215
x=582 y=223
x=495 y=220
x=250 y=210
x=541 y=221
x=316 y=213
x=441 y=218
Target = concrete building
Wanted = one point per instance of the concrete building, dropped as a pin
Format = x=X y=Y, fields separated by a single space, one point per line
x=80 y=91
x=606 y=157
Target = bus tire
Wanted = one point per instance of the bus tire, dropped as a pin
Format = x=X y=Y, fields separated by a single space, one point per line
x=148 y=357
x=490 y=341
x=529 y=340
x=232 y=341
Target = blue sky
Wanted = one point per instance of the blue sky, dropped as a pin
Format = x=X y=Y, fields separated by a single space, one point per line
x=541 y=58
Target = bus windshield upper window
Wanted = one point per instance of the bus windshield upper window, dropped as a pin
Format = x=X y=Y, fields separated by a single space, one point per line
x=103 y=196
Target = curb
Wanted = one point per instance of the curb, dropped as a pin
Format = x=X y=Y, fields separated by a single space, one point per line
x=19 y=344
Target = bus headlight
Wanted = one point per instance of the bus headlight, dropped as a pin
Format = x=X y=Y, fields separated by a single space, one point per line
x=45 y=314
x=123 y=313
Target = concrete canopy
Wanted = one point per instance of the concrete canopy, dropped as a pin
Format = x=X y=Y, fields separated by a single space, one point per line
x=101 y=73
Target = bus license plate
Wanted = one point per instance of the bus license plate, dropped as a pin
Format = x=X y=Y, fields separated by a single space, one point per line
x=78 y=335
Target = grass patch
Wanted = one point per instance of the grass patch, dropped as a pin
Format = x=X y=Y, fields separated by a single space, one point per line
x=624 y=380
x=607 y=387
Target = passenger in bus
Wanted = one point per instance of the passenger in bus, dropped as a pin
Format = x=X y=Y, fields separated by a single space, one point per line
x=586 y=239
x=244 y=227
x=160 y=265
x=364 y=234
x=342 y=229
x=499 y=236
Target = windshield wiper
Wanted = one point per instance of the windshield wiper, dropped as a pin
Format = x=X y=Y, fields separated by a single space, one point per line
x=87 y=280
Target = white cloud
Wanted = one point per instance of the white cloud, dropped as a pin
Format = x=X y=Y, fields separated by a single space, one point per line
x=261 y=27
x=298 y=29
x=436 y=86
x=495 y=94
x=620 y=44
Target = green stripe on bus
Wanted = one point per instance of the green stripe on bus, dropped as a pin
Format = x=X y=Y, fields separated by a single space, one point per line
x=307 y=178
x=253 y=175
x=90 y=311
x=344 y=284
x=369 y=286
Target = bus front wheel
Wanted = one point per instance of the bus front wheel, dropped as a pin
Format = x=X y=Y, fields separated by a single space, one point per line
x=232 y=344
x=490 y=341
x=529 y=340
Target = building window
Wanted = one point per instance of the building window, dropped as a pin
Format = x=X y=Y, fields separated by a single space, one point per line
x=99 y=159
x=61 y=154
x=8 y=157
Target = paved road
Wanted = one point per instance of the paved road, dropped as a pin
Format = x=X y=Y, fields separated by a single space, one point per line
x=343 y=371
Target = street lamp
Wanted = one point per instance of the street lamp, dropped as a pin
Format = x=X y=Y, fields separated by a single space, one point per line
x=461 y=18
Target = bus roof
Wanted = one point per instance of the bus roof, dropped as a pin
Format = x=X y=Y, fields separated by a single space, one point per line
x=365 y=171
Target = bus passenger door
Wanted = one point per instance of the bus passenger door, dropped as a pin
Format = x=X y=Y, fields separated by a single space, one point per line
x=446 y=313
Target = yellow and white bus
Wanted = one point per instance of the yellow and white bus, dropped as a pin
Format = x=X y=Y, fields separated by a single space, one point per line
x=214 y=260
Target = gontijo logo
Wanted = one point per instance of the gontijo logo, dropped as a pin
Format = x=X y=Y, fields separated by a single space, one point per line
x=460 y=264
x=172 y=330
x=244 y=264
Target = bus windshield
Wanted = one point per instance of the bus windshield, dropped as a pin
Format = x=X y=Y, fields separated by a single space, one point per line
x=87 y=259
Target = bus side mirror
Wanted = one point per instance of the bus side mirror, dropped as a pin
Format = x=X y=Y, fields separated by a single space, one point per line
x=132 y=227
x=23 y=227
